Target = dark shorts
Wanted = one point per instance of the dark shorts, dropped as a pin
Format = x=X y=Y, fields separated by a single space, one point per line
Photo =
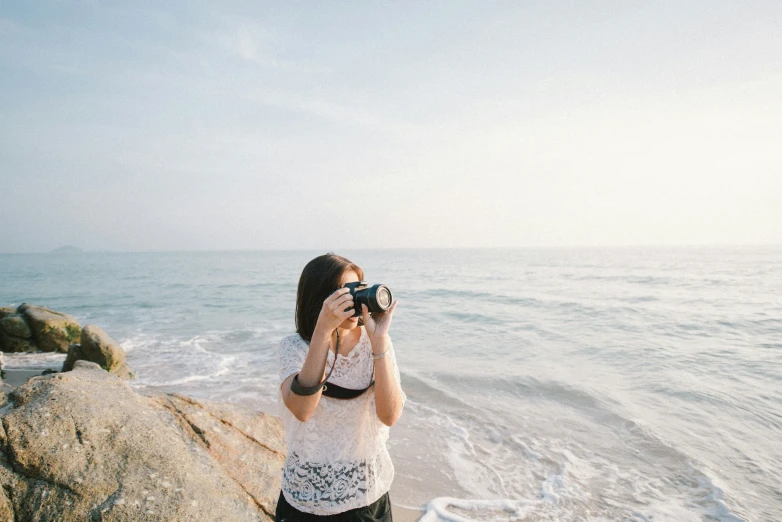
x=380 y=510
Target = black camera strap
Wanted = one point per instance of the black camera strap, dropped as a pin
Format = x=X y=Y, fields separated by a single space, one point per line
x=330 y=390
x=298 y=389
x=338 y=392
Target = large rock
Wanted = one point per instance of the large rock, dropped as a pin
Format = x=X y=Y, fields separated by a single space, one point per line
x=82 y=446
x=6 y=311
x=224 y=430
x=15 y=334
x=16 y=344
x=96 y=346
x=15 y=325
x=52 y=331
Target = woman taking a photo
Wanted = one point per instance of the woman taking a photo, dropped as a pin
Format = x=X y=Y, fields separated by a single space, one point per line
x=338 y=406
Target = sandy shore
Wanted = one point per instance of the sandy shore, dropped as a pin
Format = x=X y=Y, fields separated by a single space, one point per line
x=14 y=378
x=401 y=514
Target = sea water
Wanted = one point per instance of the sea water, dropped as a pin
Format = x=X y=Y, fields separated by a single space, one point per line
x=542 y=384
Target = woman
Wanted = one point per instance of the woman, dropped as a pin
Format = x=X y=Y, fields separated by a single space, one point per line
x=338 y=466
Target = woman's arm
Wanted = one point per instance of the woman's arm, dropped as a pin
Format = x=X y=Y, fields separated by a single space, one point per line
x=388 y=394
x=313 y=371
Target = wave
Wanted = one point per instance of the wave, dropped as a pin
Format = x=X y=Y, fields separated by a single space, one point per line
x=517 y=464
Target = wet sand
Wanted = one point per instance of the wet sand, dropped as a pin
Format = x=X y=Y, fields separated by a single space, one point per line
x=401 y=514
x=14 y=378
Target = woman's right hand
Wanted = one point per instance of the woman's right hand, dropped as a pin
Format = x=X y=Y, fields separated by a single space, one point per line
x=336 y=308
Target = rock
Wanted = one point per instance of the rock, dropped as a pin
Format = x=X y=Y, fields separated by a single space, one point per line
x=5 y=311
x=224 y=430
x=96 y=346
x=52 y=331
x=5 y=392
x=83 y=446
x=16 y=344
x=15 y=325
x=75 y=353
x=124 y=372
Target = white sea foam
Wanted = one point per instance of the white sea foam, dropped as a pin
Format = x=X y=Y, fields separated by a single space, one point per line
x=450 y=509
x=33 y=361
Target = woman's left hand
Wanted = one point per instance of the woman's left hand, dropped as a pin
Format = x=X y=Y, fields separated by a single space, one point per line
x=377 y=326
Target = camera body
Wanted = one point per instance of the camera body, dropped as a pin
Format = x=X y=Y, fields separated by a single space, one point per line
x=378 y=298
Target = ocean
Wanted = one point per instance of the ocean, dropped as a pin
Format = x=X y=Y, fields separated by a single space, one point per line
x=639 y=384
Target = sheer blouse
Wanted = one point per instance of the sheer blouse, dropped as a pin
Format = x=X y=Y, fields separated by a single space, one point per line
x=338 y=459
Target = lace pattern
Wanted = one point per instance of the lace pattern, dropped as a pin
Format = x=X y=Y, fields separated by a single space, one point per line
x=337 y=460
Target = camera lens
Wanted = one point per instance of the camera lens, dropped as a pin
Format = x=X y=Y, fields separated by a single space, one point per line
x=383 y=297
x=379 y=297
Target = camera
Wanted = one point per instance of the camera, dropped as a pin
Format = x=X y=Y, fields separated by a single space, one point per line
x=378 y=298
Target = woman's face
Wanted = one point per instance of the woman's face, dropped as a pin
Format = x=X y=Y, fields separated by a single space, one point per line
x=349 y=276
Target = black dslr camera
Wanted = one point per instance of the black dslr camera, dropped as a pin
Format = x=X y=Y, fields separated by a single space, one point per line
x=378 y=298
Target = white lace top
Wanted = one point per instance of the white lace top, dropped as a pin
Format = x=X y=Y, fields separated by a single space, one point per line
x=337 y=460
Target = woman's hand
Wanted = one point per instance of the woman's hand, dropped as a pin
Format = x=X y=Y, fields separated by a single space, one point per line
x=377 y=326
x=334 y=312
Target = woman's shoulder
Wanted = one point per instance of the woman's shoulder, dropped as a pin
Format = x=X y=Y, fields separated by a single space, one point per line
x=293 y=339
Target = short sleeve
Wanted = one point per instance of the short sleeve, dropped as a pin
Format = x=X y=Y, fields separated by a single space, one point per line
x=291 y=356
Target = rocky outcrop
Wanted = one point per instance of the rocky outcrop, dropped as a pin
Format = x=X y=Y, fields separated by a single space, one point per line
x=15 y=333
x=15 y=325
x=82 y=446
x=31 y=328
x=16 y=344
x=96 y=346
x=52 y=331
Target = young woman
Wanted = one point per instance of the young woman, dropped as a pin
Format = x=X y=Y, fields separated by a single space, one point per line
x=338 y=466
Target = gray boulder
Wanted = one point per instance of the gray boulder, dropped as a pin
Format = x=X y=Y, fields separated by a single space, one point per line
x=15 y=334
x=15 y=325
x=96 y=346
x=52 y=331
x=82 y=445
x=16 y=344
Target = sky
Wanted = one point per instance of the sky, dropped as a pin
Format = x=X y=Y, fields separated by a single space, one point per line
x=162 y=126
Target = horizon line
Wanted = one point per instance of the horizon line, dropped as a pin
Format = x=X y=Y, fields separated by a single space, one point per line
x=525 y=247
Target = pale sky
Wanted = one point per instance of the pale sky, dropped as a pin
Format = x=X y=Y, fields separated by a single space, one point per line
x=343 y=125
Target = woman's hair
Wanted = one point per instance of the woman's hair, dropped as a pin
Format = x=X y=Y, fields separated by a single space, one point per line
x=319 y=279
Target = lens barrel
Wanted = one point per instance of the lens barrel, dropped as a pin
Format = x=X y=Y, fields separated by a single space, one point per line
x=378 y=298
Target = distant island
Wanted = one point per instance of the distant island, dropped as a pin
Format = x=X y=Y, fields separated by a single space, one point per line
x=67 y=249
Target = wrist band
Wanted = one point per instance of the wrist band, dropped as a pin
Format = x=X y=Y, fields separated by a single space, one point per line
x=381 y=355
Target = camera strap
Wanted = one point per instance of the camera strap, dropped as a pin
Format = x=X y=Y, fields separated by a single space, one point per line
x=330 y=390
x=298 y=389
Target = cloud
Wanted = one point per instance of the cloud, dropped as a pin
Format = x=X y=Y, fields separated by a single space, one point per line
x=254 y=44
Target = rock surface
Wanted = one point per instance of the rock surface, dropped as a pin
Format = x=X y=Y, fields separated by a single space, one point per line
x=17 y=344
x=15 y=325
x=96 y=346
x=52 y=331
x=82 y=446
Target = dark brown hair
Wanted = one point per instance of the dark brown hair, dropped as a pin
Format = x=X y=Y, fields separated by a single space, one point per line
x=319 y=279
